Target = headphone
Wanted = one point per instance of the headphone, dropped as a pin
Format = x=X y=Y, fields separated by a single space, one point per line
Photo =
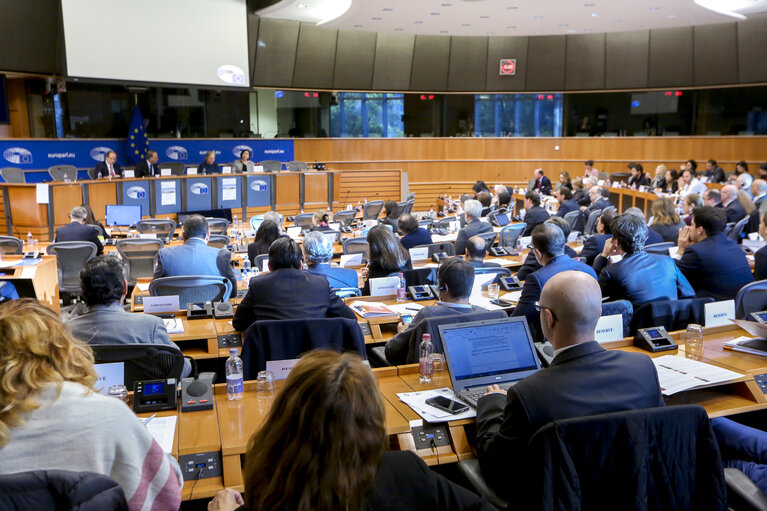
x=442 y=287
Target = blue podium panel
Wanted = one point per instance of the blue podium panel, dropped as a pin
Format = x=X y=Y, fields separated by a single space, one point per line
x=229 y=191
x=199 y=194
x=167 y=196
x=137 y=193
x=259 y=190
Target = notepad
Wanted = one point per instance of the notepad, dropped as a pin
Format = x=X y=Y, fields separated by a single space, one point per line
x=677 y=374
x=174 y=325
x=163 y=430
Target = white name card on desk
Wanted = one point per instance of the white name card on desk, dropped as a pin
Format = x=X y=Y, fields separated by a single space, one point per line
x=719 y=313
x=419 y=253
x=351 y=260
x=384 y=286
x=455 y=226
x=293 y=232
x=128 y=174
x=226 y=169
x=109 y=374
x=265 y=265
x=190 y=171
x=148 y=236
x=41 y=193
x=161 y=303
x=525 y=240
x=281 y=368
x=166 y=172
x=609 y=328
x=258 y=168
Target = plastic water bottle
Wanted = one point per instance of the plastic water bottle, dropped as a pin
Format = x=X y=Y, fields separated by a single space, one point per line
x=235 y=222
x=425 y=363
x=431 y=213
x=30 y=242
x=246 y=268
x=401 y=288
x=234 y=379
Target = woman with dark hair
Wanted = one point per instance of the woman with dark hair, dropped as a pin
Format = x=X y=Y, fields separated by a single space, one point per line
x=90 y=219
x=391 y=208
x=386 y=256
x=244 y=164
x=480 y=187
x=267 y=232
x=564 y=180
x=672 y=181
x=323 y=448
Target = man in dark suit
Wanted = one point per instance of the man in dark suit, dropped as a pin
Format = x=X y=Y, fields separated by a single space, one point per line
x=534 y=214
x=78 y=230
x=318 y=251
x=732 y=206
x=639 y=277
x=194 y=257
x=566 y=202
x=474 y=226
x=653 y=236
x=594 y=244
x=638 y=177
x=286 y=292
x=712 y=197
x=600 y=199
x=714 y=172
x=109 y=168
x=148 y=166
x=531 y=264
x=476 y=250
x=549 y=249
x=412 y=233
x=583 y=379
x=455 y=278
x=542 y=183
x=714 y=265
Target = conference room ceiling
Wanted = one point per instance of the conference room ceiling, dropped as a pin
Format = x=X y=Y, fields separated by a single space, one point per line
x=515 y=17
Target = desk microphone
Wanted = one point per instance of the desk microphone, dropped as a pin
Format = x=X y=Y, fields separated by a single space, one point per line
x=197 y=390
x=346 y=198
x=114 y=224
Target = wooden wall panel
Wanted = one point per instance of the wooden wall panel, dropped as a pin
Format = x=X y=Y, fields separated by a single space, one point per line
x=362 y=185
x=18 y=108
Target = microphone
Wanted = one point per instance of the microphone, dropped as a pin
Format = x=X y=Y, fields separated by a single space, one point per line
x=347 y=196
x=114 y=224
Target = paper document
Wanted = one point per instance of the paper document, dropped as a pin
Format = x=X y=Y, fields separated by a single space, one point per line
x=677 y=374
x=163 y=429
x=512 y=296
x=229 y=188
x=498 y=260
x=41 y=193
x=168 y=193
x=371 y=309
x=417 y=401
x=143 y=286
x=748 y=345
x=405 y=309
x=174 y=325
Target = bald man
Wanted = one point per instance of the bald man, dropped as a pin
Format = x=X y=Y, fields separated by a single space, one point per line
x=732 y=205
x=476 y=250
x=574 y=385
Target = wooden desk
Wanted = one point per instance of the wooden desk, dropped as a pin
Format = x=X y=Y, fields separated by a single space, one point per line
x=43 y=277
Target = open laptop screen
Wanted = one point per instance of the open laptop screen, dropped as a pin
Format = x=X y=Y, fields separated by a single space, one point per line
x=486 y=348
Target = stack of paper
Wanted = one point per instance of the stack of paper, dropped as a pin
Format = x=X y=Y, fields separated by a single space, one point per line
x=163 y=429
x=748 y=345
x=677 y=374
x=174 y=325
x=371 y=309
x=406 y=309
x=417 y=401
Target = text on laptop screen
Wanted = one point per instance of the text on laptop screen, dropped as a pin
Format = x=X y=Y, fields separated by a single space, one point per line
x=485 y=350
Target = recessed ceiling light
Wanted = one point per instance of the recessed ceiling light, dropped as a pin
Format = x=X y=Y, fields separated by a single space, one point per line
x=443 y=31
x=447 y=5
x=595 y=14
x=484 y=17
x=512 y=27
x=376 y=19
x=640 y=26
x=418 y=22
x=490 y=33
x=399 y=29
x=302 y=6
x=671 y=16
x=387 y=9
x=589 y=5
x=588 y=30
x=512 y=7
x=571 y=31
x=538 y=32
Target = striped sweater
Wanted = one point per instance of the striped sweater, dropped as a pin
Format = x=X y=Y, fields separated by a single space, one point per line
x=81 y=431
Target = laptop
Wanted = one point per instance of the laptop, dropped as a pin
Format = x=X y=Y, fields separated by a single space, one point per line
x=482 y=353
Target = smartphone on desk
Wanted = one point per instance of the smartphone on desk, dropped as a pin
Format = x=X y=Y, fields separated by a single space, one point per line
x=407 y=318
x=501 y=303
x=447 y=404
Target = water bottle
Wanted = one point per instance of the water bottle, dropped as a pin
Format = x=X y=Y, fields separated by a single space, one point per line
x=235 y=222
x=431 y=213
x=401 y=288
x=425 y=363
x=246 y=268
x=30 y=242
x=234 y=380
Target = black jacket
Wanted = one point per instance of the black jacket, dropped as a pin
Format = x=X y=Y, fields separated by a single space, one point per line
x=760 y=264
x=533 y=218
x=667 y=232
x=51 y=490
x=735 y=211
x=716 y=267
x=142 y=169
x=102 y=170
x=76 y=231
x=593 y=246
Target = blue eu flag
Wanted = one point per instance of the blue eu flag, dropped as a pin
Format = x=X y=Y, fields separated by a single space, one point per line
x=138 y=143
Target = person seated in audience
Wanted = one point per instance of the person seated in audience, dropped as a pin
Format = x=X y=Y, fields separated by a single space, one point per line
x=574 y=385
x=665 y=220
x=713 y=198
x=534 y=214
x=672 y=181
x=53 y=417
x=594 y=244
x=194 y=257
x=476 y=250
x=760 y=257
x=320 y=220
x=689 y=183
x=542 y=183
x=638 y=177
x=741 y=168
x=274 y=217
x=579 y=195
x=744 y=182
x=689 y=203
x=318 y=251
x=639 y=277
x=462 y=208
x=455 y=278
x=244 y=164
x=758 y=191
x=474 y=226
x=485 y=199
x=732 y=206
x=286 y=292
x=109 y=168
x=589 y=170
x=323 y=447
x=78 y=230
x=531 y=264
x=105 y=285
x=659 y=180
x=566 y=202
x=209 y=166
x=565 y=181
x=412 y=233
x=503 y=205
x=265 y=235
x=548 y=245
x=653 y=237
x=689 y=165
x=497 y=190
x=386 y=256
x=714 y=173
x=90 y=219
x=714 y=265
x=391 y=210
x=600 y=199
x=479 y=187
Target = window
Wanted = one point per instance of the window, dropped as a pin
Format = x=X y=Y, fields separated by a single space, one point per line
x=518 y=115
x=367 y=115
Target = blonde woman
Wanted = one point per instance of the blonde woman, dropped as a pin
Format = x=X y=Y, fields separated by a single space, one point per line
x=665 y=221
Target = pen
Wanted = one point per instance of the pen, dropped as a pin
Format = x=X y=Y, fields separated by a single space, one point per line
x=411 y=309
x=150 y=419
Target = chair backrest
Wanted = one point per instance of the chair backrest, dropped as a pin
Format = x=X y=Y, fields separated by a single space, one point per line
x=11 y=245
x=736 y=234
x=288 y=339
x=139 y=255
x=71 y=256
x=619 y=176
x=426 y=223
x=357 y=246
x=591 y=223
x=218 y=240
x=63 y=172
x=411 y=196
x=489 y=238
x=296 y=166
x=563 y=471
x=510 y=234
x=192 y=288
x=372 y=209
x=163 y=228
x=330 y=233
x=345 y=217
x=572 y=218
x=447 y=247
x=257 y=220
x=177 y=168
x=622 y=307
x=92 y=173
x=346 y=292
x=303 y=220
x=13 y=175
x=142 y=361
x=751 y=298
x=444 y=223
x=418 y=276
x=729 y=227
x=60 y=490
x=408 y=208
x=259 y=261
x=659 y=248
x=672 y=314
x=217 y=225
x=271 y=165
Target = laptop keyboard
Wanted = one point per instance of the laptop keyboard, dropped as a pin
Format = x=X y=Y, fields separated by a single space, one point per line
x=473 y=396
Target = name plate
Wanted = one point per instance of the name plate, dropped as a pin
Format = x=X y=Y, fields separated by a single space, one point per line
x=129 y=174
x=161 y=303
x=720 y=313
x=166 y=172
x=191 y=171
x=293 y=232
x=226 y=169
x=609 y=328
x=419 y=253
x=281 y=368
x=112 y=373
x=258 y=168
x=384 y=286
x=351 y=260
